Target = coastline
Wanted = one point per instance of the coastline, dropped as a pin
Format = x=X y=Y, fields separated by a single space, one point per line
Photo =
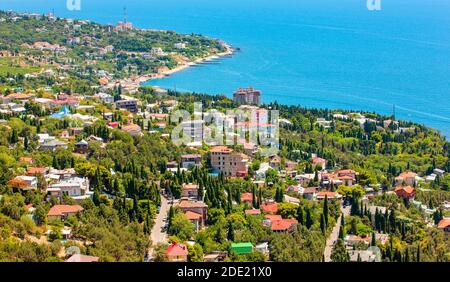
x=134 y=82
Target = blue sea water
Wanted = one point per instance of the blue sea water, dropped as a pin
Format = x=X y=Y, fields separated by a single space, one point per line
x=315 y=53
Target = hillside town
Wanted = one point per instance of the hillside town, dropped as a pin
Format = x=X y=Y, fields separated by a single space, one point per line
x=89 y=171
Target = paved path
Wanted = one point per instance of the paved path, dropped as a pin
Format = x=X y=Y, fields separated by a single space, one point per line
x=334 y=236
x=157 y=235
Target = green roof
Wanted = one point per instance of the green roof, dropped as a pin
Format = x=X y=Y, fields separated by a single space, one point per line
x=242 y=248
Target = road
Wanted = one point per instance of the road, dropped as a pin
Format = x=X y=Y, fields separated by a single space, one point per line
x=334 y=236
x=157 y=235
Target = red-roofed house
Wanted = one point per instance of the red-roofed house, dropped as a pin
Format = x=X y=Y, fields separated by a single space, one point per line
x=330 y=195
x=176 y=252
x=189 y=190
x=405 y=192
x=284 y=225
x=407 y=177
x=63 y=211
x=198 y=207
x=444 y=224
x=247 y=198
x=196 y=219
x=32 y=171
x=253 y=212
x=270 y=207
x=316 y=161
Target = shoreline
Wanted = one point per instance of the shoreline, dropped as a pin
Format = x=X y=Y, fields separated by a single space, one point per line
x=134 y=82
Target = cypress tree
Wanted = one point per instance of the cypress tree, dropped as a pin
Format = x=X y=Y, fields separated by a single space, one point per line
x=322 y=223
x=309 y=221
x=325 y=210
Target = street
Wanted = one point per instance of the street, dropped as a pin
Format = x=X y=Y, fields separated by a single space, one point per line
x=334 y=236
x=157 y=235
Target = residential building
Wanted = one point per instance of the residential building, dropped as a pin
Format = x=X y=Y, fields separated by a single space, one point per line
x=62 y=212
x=444 y=224
x=230 y=163
x=132 y=129
x=248 y=96
x=329 y=195
x=316 y=161
x=176 y=252
x=196 y=219
x=405 y=192
x=195 y=206
x=247 y=198
x=242 y=248
x=406 y=178
x=24 y=182
x=189 y=191
x=73 y=187
x=191 y=160
x=52 y=145
x=130 y=105
x=81 y=147
x=269 y=207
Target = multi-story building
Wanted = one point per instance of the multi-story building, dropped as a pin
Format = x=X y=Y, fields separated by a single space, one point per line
x=247 y=96
x=230 y=163
x=129 y=104
x=191 y=160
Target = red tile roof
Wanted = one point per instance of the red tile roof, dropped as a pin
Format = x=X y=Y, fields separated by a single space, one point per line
x=269 y=207
x=444 y=223
x=58 y=210
x=253 y=211
x=273 y=217
x=36 y=170
x=246 y=197
x=189 y=186
x=329 y=194
x=283 y=225
x=176 y=249
x=193 y=215
x=221 y=149
x=192 y=204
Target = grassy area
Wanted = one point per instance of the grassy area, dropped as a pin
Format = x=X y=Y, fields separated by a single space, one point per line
x=14 y=66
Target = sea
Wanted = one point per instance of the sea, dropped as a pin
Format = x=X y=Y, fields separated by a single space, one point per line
x=337 y=54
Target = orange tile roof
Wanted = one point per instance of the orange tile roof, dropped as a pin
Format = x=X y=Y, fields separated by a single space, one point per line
x=193 y=215
x=246 y=197
x=407 y=174
x=190 y=186
x=253 y=211
x=192 y=204
x=58 y=210
x=221 y=149
x=407 y=189
x=329 y=194
x=444 y=223
x=273 y=217
x=283 y=225
x=26 y=160
x=36 y=170
x=270 y=207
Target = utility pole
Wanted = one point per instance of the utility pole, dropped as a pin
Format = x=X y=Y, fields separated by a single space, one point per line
x=393 y=111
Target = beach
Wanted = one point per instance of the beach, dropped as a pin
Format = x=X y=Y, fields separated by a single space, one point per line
x=131 y=84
